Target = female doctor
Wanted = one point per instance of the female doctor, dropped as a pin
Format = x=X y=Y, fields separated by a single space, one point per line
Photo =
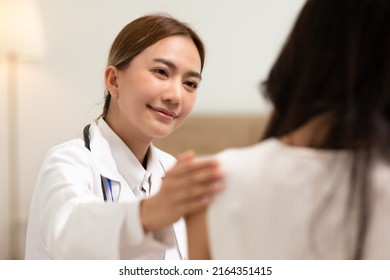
x=99 y=196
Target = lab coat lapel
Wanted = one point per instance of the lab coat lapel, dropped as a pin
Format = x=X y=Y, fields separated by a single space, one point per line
x=158 y=171
x=101 y=152
x=106 y=165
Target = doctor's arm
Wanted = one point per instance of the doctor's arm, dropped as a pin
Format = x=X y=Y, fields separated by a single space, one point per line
x=73 y=221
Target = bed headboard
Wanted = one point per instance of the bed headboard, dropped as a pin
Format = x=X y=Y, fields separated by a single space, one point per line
x=208 y=134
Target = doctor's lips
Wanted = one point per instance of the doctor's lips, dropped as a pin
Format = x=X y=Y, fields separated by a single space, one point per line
x=164 y=112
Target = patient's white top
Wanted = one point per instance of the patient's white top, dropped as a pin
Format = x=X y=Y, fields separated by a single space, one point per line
x=286 y=202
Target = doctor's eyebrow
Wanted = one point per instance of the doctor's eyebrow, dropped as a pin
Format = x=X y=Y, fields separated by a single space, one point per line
x=172 y=66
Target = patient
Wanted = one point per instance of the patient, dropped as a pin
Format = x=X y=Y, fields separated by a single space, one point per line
x=318 y=185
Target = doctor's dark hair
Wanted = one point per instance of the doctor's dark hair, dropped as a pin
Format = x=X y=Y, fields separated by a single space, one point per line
x=143 y=32
x=336 y=61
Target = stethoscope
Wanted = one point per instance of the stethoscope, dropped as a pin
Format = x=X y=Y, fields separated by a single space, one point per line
x=87 y=143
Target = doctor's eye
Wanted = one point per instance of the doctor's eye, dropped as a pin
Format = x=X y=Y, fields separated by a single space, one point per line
x=161 y=72
x=192 y=84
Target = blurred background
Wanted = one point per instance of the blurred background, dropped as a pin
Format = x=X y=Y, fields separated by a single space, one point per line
x=52 y=59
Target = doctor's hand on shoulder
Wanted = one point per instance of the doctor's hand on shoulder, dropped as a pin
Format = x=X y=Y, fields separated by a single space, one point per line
x=187 y=187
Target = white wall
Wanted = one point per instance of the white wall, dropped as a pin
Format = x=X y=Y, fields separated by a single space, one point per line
x=62 y=92
x=4 y=178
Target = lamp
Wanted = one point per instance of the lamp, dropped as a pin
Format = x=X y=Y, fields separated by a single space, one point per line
x=21 y=38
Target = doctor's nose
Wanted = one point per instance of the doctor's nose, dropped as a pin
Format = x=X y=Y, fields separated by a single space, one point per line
x=173 y=93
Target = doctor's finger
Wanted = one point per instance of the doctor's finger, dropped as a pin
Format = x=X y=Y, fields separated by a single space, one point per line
x=186 y=156
x=185 y=184
x=195 y=176
x=195 y=205
x=188 y=194
x=203 y=176
x=186 y=168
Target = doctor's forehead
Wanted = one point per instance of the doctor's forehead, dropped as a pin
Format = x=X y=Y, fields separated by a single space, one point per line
x=174 y=52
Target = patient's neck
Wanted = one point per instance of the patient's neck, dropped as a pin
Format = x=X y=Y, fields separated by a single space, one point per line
x=311 y=134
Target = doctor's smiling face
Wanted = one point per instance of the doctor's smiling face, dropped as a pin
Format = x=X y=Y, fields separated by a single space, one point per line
x=156 y=91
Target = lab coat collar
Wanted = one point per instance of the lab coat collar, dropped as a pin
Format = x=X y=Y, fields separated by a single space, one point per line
x=125 y=162
x=101 y=152
x=157 y=169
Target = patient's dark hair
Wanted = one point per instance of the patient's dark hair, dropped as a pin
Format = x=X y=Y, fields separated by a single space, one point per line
x=336 y=60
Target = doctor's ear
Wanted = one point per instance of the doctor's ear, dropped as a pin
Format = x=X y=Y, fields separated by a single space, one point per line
x=111 y=80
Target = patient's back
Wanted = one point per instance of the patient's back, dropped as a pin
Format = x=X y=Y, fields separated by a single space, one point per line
x=285 y=202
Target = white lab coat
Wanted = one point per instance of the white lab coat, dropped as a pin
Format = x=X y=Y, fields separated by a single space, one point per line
x=69 y=219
